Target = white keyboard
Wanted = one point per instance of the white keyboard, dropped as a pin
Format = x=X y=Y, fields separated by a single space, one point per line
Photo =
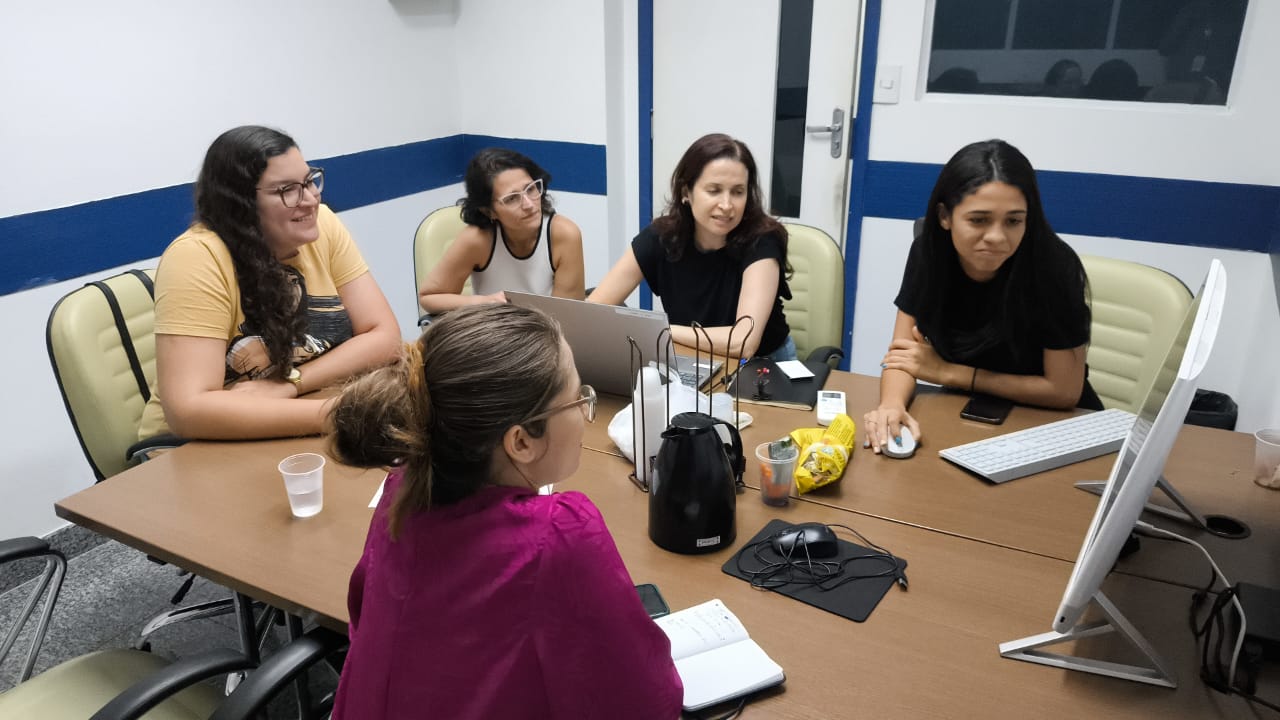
x=1045 y=447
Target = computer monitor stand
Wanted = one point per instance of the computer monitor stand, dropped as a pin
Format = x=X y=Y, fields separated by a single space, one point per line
x=1220 y=525
x=1028 y=649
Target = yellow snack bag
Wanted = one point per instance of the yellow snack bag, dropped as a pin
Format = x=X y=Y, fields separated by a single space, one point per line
x=824 y=452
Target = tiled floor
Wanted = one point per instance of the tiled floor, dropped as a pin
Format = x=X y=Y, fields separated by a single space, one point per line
x=109 y=593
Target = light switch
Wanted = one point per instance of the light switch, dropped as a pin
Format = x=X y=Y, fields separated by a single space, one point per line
x=888 y=83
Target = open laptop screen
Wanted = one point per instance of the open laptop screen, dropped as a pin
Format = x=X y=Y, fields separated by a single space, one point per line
x=598 y=336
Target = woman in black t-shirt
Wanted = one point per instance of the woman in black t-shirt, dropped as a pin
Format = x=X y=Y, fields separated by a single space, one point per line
x=991 y=301
x=714 y=257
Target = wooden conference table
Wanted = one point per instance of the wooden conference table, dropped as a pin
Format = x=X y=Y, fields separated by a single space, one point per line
x=1043 y=514
x=220 y=510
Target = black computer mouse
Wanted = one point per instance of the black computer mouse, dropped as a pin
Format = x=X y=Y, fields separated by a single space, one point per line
x=813 y=540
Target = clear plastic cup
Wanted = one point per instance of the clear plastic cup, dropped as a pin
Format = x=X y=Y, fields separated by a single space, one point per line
x=304 y=481
x=1266 y=458
x=777 y=471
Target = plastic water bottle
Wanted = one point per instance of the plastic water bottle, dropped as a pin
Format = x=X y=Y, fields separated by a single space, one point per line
x=649 y=424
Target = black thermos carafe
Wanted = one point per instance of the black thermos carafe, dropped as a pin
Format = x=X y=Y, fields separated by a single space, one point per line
x=693 y=492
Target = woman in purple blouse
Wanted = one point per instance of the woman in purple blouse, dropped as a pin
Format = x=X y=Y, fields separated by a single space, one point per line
x=476 y=597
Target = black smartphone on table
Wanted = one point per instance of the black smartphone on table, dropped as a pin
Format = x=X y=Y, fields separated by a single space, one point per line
x=652 y=600
x=987 y=409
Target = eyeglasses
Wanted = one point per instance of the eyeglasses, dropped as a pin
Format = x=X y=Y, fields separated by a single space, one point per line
x=586 y=401
x=533 y=191
x=291 y=194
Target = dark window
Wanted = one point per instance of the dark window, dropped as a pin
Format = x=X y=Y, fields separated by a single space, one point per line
x=1058 y=25
x=970 y=24
x=1143 y=23
x=795 y=30
x=1179 y=51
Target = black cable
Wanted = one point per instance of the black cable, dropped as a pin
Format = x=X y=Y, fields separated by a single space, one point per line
x=1212 y=671
x=790 y=568
x=742 y=702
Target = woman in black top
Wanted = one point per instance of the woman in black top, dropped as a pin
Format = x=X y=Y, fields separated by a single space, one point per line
x=715 y=256
x=991 y=301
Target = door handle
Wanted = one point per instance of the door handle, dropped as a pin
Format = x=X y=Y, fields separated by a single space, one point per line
x=836 y=128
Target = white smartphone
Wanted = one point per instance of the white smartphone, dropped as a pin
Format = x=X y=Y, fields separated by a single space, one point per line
x=830 y=404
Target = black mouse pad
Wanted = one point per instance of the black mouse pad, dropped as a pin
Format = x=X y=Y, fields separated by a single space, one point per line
x=853 y=600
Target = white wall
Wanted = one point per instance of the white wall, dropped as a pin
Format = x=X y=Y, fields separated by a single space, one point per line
x=109 y=99
x=1235 y=144
x=533 y=70
x=537 y=70
x=105 y=99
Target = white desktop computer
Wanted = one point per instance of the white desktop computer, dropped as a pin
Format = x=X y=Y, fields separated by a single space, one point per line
x=1136 y=472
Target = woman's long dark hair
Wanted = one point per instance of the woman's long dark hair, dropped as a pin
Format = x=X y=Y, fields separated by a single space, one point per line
x=1042 y=275
x=483 y=168
x=676 y=226
x=226 y=199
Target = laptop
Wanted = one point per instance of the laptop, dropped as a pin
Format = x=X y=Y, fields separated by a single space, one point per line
x=696 y=374
x=598 y=335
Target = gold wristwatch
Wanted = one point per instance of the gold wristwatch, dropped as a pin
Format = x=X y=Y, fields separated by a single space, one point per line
x=295 y=377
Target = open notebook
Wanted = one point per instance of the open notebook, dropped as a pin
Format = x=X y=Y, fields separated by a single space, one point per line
x=715 y=657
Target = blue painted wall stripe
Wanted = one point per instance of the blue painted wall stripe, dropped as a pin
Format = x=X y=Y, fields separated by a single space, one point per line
x=574 y=167
x=51 y=245
x=373 y=176
x=1181 y=212
x=644 y=82
x=44 y=247
x=859 y=145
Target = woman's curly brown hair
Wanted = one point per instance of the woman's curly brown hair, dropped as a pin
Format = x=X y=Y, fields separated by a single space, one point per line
x=226 y=199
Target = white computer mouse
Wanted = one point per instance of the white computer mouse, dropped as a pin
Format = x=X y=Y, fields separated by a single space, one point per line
x=901 y=447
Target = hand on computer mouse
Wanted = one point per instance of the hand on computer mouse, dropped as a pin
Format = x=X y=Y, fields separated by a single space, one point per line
x=884 y=423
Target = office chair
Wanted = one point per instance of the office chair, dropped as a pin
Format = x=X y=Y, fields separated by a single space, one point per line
x=101 y=342
x=102 y=347
x=815 y=311
x=123 y=684
x=1137 y=311
x=432 y=238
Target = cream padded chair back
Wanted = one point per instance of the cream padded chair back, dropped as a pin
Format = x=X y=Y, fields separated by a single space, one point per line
x=1137 y=311
x=816 y=308
x=434 y=234
x=101 y=341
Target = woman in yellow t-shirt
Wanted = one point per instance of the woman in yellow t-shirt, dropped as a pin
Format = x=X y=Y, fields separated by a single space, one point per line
x=263 y=299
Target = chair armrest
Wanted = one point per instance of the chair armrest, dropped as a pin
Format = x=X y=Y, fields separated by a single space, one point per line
x=140 y=450
x=253 y=693
x=154 y=689
x=825 y=355
x=23 y=548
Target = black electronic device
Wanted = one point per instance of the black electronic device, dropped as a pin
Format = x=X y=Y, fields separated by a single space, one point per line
x=652 y=600
x=813 y=540
x=987 y=408
x=1263 y=622
x=849 y=584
